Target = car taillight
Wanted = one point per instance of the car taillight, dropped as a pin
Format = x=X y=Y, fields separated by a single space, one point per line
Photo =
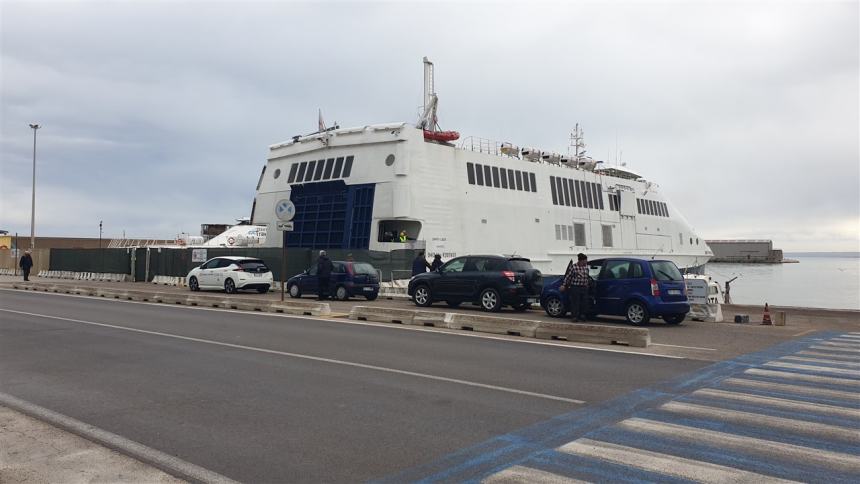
x=239 y=269
x=655 y=288
x=510 y=275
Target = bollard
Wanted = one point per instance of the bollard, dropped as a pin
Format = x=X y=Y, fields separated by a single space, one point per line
x=780 y=319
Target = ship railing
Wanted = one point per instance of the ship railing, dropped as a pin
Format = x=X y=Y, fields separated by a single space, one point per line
x=483 y=145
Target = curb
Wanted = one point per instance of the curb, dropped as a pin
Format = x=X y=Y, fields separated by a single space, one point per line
x=196 y=299
x=581 y=333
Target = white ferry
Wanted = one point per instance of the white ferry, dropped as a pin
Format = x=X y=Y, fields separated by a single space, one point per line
x=363 y=187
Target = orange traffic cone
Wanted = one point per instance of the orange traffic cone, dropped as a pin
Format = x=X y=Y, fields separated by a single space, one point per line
x=765 y=320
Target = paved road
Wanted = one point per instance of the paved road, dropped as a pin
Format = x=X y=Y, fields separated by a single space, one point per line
x=270 y=398
x=790 y=413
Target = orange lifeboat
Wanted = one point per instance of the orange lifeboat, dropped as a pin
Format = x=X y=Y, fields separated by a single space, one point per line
x=441 y=135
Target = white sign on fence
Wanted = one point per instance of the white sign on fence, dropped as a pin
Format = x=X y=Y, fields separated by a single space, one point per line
x=198 y=255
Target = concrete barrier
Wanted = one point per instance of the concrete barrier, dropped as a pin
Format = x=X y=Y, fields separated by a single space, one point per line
x=493 y=324
x=301 y=308
x=582 y=333
x=594 y=333
x=382 y=315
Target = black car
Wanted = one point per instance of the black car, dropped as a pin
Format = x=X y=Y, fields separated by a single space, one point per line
x=348 y=279
x=489 y=281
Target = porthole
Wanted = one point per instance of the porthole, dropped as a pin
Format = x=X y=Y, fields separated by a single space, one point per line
x=277 y=173
x=389 y=160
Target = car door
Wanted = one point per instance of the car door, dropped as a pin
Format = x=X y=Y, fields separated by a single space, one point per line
x=309 y=284
x=446 y=284
x=470 y=280
x=638 y=282
x=204 y=276
x=612 y=287
x=221 y=272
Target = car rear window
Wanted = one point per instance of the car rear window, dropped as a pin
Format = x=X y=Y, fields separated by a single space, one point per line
x=520 y=265
x=253 y=265
x=363 y=268
x=666 y=271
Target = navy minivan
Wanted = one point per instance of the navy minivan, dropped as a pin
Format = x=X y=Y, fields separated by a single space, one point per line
x=634 y=288
x=348 y=279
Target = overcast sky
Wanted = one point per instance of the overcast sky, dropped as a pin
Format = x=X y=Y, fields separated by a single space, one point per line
x=157 y=115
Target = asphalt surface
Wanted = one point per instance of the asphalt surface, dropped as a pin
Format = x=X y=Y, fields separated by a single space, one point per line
x=265 y=398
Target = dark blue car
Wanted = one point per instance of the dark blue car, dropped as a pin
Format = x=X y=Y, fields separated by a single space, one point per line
x=348 y=279
x=634 y=288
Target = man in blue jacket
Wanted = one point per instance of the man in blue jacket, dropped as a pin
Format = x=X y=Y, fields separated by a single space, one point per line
x=324 y=268
x=419 y=264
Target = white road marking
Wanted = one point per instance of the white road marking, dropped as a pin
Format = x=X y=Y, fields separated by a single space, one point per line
x=849 y=341
x=793 y=389
x=829 y=347
x=822 y=361
x=662 y=463
x=311 y=358
x=451 y=332
x=789 y=425
x=748 y=445
x=520 y=474
x=819 y=369
x=850 y=335
x=840 y=356
x=679 y=346
x=802 y=377
x=804 y=332
x=169 y=463
x=780 y=403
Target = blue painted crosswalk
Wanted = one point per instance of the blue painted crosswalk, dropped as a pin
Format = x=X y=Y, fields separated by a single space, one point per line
x=787 y=414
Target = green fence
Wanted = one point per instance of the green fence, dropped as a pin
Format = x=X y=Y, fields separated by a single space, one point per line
x=147 y=263
x=113 y=261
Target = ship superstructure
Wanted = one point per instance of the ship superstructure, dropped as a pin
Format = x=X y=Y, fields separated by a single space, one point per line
x=363 y=187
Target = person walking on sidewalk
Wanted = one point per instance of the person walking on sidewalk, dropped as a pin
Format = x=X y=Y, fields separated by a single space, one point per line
x=324 y=268
x=576 y=283
x=26 y=264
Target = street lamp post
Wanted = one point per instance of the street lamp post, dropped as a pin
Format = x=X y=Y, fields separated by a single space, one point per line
x=101 y=252
x=33 y=200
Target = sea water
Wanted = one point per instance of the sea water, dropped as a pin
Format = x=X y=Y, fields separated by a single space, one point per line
x=818 y=280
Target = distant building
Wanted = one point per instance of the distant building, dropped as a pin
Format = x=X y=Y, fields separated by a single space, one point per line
x=740 y=251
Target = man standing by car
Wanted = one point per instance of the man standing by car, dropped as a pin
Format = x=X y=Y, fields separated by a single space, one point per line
x=576 y=283
x=324 y=268
x=26 y=264
x=419 y=264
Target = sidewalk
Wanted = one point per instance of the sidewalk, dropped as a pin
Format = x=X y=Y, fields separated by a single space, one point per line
x=34 y=452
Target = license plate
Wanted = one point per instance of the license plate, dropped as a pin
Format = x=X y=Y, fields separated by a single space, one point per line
x=674 y=292
x=532 y=300
x=258 y=275
x=368 y=289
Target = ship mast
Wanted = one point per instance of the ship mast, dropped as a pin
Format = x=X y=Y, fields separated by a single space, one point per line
x=428 y=121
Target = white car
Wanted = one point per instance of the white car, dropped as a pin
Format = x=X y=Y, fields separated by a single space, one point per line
x=231 y=273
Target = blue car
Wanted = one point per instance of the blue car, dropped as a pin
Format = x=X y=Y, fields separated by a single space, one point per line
x=348 y=279
x=634 y=288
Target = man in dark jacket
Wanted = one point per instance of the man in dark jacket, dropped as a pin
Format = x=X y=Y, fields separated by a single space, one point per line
x=324 y=268
x=436 y=264
x=25 y=264
x=419 y=264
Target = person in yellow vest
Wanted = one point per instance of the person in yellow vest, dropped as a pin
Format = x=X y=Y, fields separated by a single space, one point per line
x=403 y=237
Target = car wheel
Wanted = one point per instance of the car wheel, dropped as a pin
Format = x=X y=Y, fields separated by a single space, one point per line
x=193 y=284
x=637 y=313
x=453 y=304
x=263 y=290
x=554 y=307
x=674 y=319
x=422 y=296
x=371 y=297
x=341 y=293
x=230 y=286
x=294 y=291
x=491 y=300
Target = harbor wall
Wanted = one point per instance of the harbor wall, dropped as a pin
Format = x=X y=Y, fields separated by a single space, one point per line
x=744 y=251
